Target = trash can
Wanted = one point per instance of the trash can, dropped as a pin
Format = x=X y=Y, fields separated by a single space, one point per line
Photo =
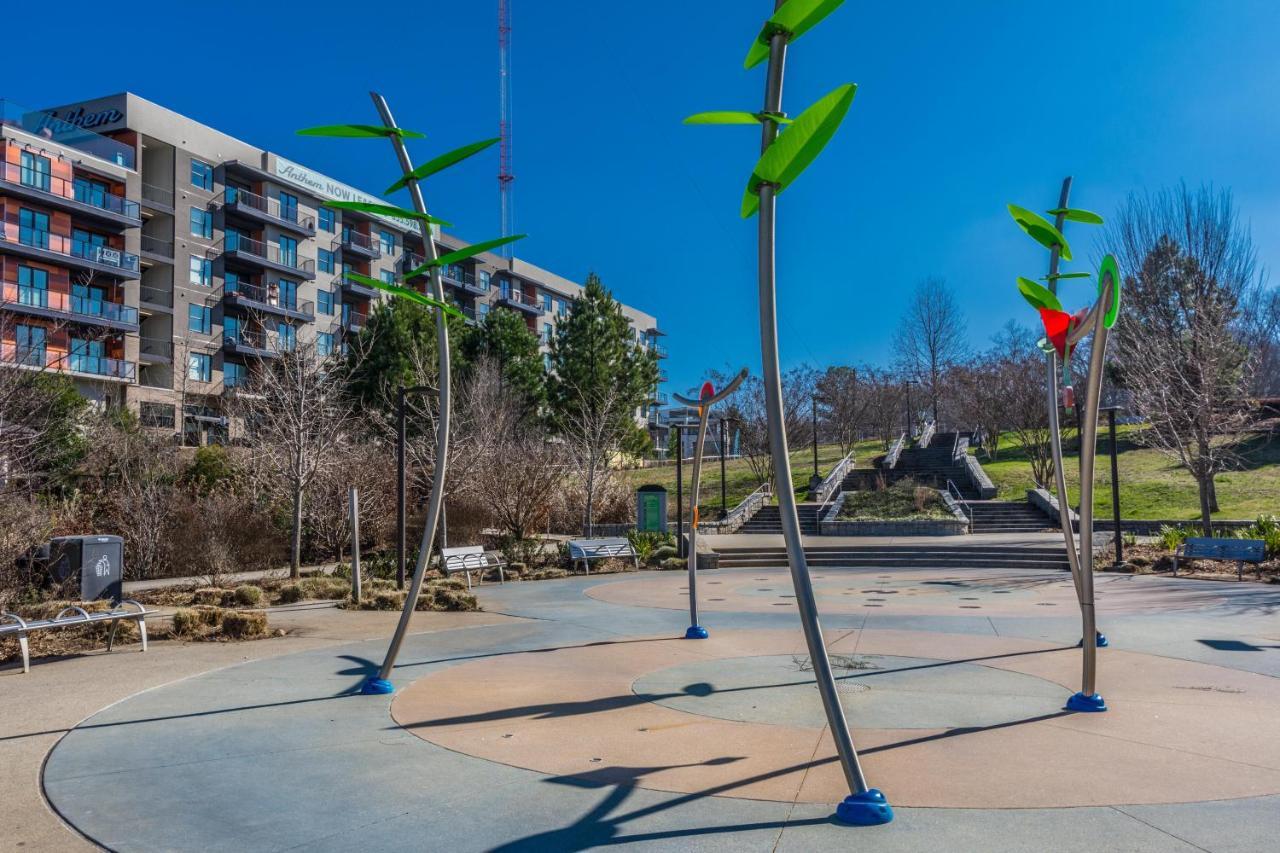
x=651 y=509
x=98 y=560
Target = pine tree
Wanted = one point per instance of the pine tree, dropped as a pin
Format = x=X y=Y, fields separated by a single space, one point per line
x=504 y=338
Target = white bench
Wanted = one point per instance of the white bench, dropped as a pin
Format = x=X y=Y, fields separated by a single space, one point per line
x=471 y=558
x=585 y=550
x=70 y=617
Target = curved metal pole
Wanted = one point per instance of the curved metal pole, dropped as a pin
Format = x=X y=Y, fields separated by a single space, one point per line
x=696 y=631
x=864 y=805
x=382 y=683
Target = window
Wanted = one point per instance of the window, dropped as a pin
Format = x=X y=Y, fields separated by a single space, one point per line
x=200 y=367
x=546 y=362
x=287 y=336
x=505 y=287
x=33 y=287
x=288 y=206
x=387 y=242
x=88 y=356
x=324 y=343
x=483 y=276
x=546 y=333
x=91 y=192
x=201 y=223
x=201 y=175
x=231 y=328
x=201 y=272
x=29 y=344
x=324 y=302
x=199 y=318
x=546 y=302
x=85 y=244
x=233 y=374
x=35 y=170
x=324 y=260
x=157 y=415
x=388 y=277
x=482 y=310
x=327 y=220
x=88 y=300
x=33 y=228
x=288 y=294
x=288 y=251
x=562 y=307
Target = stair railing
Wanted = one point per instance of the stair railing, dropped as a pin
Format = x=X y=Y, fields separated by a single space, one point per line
x=742 y=513
x=891 y=458
x=926 y=435
x=958 y=496
x=955 y=447
x=833 y=480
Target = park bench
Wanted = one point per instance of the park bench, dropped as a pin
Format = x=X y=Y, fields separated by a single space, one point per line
x=471 y=558
x=71 y=617
x=1203 y=548
x=585 y=550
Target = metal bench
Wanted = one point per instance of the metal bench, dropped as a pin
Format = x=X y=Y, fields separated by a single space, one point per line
x=71 y=617
x=1203 y=548
x=471 y=558
x=585 y=550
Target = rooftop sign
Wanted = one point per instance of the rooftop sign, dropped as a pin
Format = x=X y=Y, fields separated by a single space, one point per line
x=326 y=187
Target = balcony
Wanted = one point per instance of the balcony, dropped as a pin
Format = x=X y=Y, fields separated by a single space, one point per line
x=236 y=247
x=521 y=301
x=80 y=199
x=357 y=290
x=256 y=208
x=68 y=252
x=155 y=351
x=153 y=297
x=248 y=296
x=456 y=276
x=361 y=245
x=42 y=358
x=354 y=321
x=658 y=398
x=252 y=344
x=658 y=351
x=64 y=306
x=157 y=249
x=157 y=198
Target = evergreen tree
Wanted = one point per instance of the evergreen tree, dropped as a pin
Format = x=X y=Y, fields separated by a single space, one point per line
x=398 y=347
x=503 y=337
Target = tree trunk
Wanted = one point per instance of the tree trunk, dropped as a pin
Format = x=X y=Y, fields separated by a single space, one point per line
x=295 y=555
x=1213 y=493
x=1206 y=507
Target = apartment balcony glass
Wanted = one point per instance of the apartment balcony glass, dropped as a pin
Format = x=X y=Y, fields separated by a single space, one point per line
x=90 y=309
x=44 y=245
x=521 y=301
x=157 y=197
x=78 y=196
x=46 y=125
x=155 y=350
x=356 y=243
x=260 y=209
x=157 y=247
x=658 y=351
x=235 y=246
x=270 y=299
x=353 y=288
x=251 y=343
x=42 y=357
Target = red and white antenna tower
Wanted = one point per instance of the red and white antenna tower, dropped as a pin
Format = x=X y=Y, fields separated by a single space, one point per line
x=505 y=178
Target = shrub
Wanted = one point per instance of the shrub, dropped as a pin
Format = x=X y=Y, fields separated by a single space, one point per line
x=612 y=565
x=248 y=595
x=207 y=595
x=546 y=574
x=673 y=563
x=647 y=543
x=187 y=622
x=666 y=552
x=1266 y=528
x=1171 y=537
x=323 y=587
x=244 y=624
x=436 y=596
x=290 y=593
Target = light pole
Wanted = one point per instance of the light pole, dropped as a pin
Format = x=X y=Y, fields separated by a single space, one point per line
x=675 y=428
x=816 y=478
x=724 y=500
x=1115 y=485
x=401 y=406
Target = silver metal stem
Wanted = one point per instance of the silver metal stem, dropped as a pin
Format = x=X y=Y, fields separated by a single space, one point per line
x=436 y=498
x=703 y=412
x=778 y=449
x=1088 y=454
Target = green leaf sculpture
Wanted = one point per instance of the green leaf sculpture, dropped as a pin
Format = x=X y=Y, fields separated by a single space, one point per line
x=1038 y=295
x=387 y=210
x=405 y=292
x=361 y=131
x=1041 y=230
x=464 y=253
x=795 y=18
x=1110 y=269
x=1062 y=275
x=1074 y=214
x=441 y=163
x=734 y=117
x=798 y=146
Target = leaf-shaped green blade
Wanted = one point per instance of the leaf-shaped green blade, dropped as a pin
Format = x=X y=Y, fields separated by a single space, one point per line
x=441 y=163
x=798 y=146
x=1040 y=230
x=723 y=117
x=1038 y=295
x=1061 y=275
x=1109 y=271
x=1075 y=214
x=387 y=210
x=407 y=293
x=361 y=131
x=795 y=17
x=464 y=253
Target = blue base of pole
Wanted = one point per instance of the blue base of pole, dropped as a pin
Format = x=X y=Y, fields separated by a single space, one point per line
x=377 y=686
x=869 y=808
x=696 y=632
x=1101 y=642
x=1088 y=704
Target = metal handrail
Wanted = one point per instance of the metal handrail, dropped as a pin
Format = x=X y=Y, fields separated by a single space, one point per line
x=891 y=458
x=269 y=206
x=926 y=435
x=954 y=491
x=823 y=492
x=955 y=447
x=762 y=495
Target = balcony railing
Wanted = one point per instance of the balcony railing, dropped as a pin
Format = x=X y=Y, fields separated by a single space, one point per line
x=158 y=196
x=62 y=190
x=354 y=321
x=66 y=303
x=155 y=296
x=156 y=246
x=350 y=240
x=268 y=297
x=156 y=348
x=59 y=244
x=240 y=198
x=520 y=299
x=260 y=342
x=241 y=245
x=47 y=359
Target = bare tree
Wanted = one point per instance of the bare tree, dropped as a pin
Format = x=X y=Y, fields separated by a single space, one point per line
x=1260 y=318
x=1190 y=266
x=296 y=415
x=746 y=407
x=588 y=421
x=930 y=338
x=845 y=403
x=886 y=404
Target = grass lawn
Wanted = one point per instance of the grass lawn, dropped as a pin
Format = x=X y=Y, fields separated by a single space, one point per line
x=739 y=480
x=1151 y=486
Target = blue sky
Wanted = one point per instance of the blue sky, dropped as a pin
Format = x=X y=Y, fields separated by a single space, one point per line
x=961 y=108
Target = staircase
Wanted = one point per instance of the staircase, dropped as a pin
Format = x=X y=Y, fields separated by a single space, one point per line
x=767 y=520
x=929 y=466
x=924 y=555
x=1007 y=517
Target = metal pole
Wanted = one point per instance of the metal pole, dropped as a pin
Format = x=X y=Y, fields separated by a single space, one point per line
x=1088 y=450
x=353 y=504
x=1115 y=486
x=679 y=495
x=696 y=631
x=816 y=478
x=382 y=683
x=724 y=500
x=400 y=487
x=864 y=805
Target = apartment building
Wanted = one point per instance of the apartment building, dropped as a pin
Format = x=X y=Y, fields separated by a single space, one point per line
x=157 y=260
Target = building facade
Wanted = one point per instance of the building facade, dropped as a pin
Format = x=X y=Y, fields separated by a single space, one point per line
x=156 y=260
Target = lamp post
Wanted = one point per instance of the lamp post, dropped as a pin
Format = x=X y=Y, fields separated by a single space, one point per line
x=401 y=394
x=816 y=478
x=724 y=501
x=675 y=428
x=1115 y=485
